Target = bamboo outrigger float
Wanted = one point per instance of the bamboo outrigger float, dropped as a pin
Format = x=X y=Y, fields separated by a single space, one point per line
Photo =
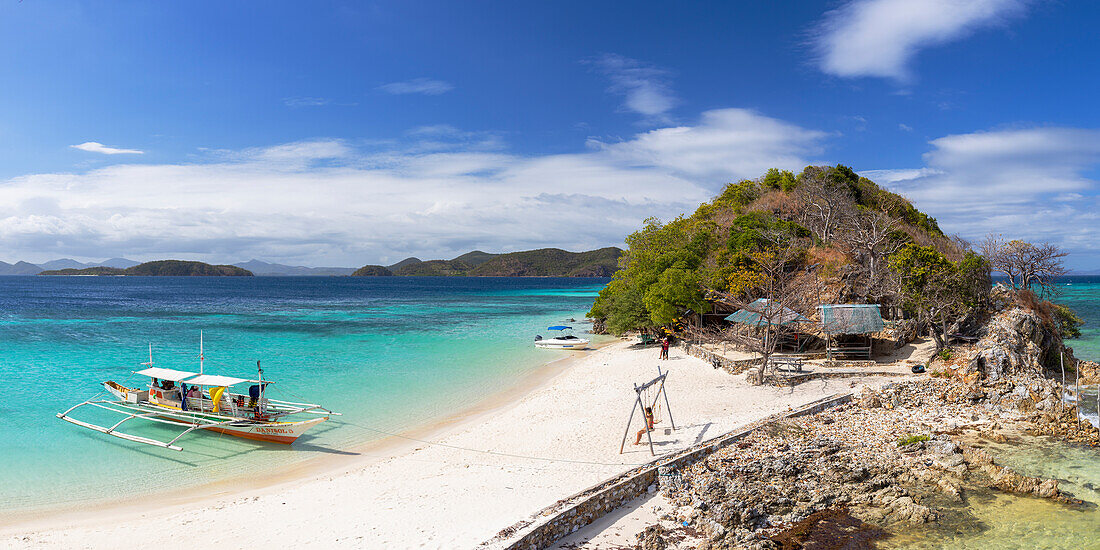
x=199 y=401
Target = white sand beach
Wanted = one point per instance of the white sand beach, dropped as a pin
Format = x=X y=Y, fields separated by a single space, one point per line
x=504 y=461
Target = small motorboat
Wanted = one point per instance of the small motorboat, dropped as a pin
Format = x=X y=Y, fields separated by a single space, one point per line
x=565 y=341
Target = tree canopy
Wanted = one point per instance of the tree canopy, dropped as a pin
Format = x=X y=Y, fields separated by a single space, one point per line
x=830 y=212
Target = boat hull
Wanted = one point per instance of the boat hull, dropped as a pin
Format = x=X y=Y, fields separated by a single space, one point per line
x=570 y=345
x=277 y=432
x=273 y=432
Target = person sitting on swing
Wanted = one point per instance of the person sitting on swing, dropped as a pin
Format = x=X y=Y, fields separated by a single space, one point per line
x=649 y=422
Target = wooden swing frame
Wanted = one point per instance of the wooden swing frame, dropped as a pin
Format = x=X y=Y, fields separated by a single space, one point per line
x=640 y=406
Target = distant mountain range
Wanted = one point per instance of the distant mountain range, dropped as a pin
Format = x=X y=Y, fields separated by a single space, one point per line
x=19 y=268
x=264 y=269
x=255 y=266
x=26 y=268
x=544 y=262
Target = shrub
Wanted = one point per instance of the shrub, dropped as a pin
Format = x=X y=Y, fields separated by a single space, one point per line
x=912 y=439
x=945 y=354
x=1069 y=324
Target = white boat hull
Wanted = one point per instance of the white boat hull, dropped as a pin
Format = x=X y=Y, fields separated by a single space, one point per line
x=554 y=343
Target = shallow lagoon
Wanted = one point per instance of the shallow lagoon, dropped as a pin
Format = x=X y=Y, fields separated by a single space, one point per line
x=1012 y=522
x=390 y=352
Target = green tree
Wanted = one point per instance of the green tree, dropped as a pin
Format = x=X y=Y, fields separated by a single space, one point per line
x=939 y=290
x=1069 y=323
x=659 y=276
x=783 y=180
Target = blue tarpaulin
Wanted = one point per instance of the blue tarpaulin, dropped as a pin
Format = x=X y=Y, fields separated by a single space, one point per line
x=559 y=327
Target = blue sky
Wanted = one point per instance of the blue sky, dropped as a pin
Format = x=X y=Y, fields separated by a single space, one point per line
x=331 y=133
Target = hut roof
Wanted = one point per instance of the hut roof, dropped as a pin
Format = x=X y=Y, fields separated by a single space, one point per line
x=762 y=311
x=850 y=318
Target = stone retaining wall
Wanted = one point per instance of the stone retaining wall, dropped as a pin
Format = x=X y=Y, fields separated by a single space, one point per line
x=796 y=379
x=728 y=365
x=572 y=513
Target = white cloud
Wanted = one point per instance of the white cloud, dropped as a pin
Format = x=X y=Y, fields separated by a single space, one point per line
x=299 y=101
x=96 y=147
x=645 y=88
x=425 y=86
x=904 y=127
x=331 y=202
x=1027 y=183
x=880 y=37
x=726 y=144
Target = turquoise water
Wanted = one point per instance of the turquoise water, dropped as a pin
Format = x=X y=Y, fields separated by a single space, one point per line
x=1000 y=520
x=1082 y=294
x=388 y=352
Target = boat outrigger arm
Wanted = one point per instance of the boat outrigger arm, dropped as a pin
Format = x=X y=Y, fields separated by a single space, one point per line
x=191 y=420
x=218 y=410
x=130 y=415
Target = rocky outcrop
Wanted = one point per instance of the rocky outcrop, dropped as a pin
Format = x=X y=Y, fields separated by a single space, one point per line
x=1089 y=372
x=1011 y=347
x=1008 y=480
x=896 y=457
x=1017 y=341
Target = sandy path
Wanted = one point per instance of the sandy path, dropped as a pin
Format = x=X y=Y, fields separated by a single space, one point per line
x=434 y=496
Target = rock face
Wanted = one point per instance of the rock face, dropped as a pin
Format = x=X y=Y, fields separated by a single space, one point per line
x=1015 y=342
x=1089 y=371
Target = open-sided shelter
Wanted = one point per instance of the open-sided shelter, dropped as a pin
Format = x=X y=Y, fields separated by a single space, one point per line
x=844 y=320
x=763 y=312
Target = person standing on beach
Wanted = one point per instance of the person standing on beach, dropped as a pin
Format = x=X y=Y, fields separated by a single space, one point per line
x=664 y=348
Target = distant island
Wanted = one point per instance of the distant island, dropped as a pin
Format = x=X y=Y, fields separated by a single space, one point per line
x=544 y=262
x=372 y=271
x=159 y=268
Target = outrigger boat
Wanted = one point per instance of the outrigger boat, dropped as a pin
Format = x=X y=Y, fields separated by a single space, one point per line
x=199 y=401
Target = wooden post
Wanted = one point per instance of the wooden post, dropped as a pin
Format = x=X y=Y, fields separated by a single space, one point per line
x=1077 y=392
x=638 y=400
x=648 y=431
x=668 y=409
x=1062 y=363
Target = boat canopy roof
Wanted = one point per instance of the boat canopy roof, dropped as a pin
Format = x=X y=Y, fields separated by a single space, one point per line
x=559 y=327
x=217 y=380
x=166 y=374
x=193 y=378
